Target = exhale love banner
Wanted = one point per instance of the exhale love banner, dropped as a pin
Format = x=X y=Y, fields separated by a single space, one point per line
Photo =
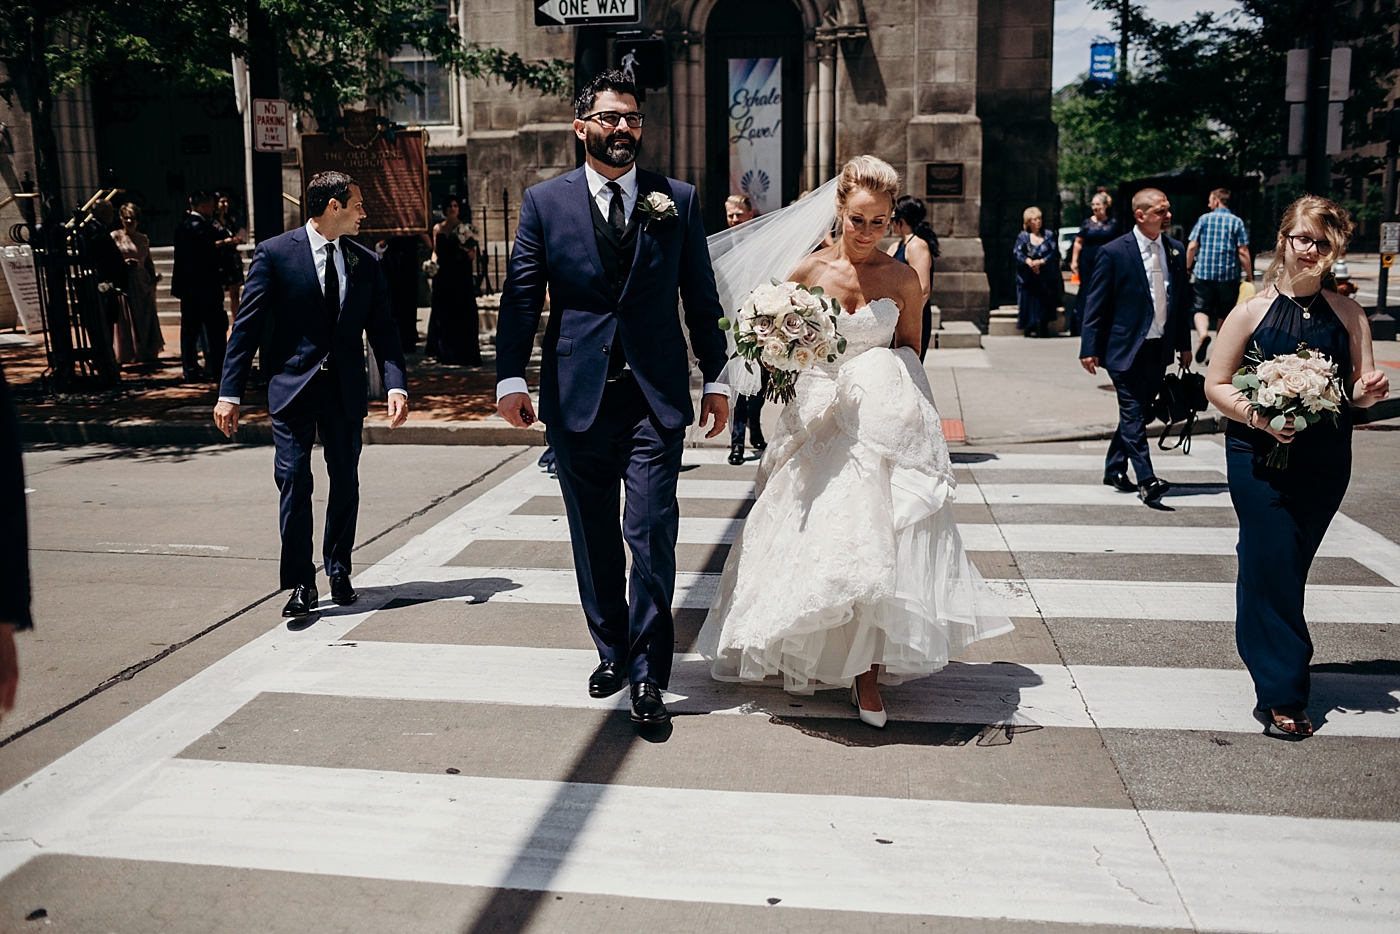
x=755 y=131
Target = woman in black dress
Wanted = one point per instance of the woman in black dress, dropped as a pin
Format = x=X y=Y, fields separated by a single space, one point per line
x=230 y=233
x=1093 y=233
x=453 y=326
x=1284 y=513
x=917 y=248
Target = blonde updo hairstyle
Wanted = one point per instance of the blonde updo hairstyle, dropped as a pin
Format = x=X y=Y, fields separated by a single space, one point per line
x=869 y=174
x=1329 y=216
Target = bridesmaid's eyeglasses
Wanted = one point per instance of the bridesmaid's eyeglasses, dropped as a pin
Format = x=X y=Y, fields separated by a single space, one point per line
x=1303 y=243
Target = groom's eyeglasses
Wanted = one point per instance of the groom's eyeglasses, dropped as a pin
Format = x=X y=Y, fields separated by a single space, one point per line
x=611 y=118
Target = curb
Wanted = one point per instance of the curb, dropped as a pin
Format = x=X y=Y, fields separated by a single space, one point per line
x=152 y=433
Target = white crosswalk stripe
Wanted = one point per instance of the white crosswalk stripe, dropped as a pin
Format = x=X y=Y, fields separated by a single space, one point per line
x=125 y=795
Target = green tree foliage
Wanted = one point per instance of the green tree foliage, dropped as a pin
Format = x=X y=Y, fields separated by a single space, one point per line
x=1208 y=93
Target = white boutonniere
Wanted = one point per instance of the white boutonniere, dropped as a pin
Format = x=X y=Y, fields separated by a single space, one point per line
x=1175 y=251
x=657 y=206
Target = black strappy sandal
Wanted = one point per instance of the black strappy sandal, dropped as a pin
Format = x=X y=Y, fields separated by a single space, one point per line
x=1272 y=722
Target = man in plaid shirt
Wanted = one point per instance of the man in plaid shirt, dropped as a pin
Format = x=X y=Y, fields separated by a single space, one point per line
x=1217 y=251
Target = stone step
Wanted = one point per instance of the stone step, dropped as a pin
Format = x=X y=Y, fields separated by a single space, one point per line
x=961 y=334
x=1002 y=322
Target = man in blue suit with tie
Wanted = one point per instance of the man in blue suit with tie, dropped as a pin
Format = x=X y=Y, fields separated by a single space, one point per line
x=613 y=246
x=1135 y=317
x=324 y=292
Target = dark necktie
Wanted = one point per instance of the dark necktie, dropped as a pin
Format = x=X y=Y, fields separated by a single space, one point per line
x=332 y=285
x=617 y=214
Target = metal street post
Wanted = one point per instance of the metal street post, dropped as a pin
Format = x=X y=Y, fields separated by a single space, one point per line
x=1318 y=180
x=1390 y=231
x=263 y=83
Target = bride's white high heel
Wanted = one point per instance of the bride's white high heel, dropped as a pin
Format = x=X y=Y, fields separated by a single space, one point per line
x=875 y=718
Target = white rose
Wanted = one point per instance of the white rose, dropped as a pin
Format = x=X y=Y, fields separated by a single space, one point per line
x=1268 y=397
x=803 y=357
x=763 y=326
x=793 y=325
x=811 y=337
x=1295 y=384
x=828 y=327
x=775 y=349
x=824 y=350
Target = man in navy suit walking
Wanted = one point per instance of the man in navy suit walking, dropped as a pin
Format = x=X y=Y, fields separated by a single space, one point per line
x=613 y=246
x=1134 y=318
x=325 y=292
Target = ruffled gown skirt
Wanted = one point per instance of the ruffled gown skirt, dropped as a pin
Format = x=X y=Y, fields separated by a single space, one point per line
x=850 y=556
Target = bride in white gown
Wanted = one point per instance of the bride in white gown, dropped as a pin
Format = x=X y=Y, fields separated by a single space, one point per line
x=849 y=571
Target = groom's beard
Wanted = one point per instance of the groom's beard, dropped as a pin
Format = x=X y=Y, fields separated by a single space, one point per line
x=618 y=150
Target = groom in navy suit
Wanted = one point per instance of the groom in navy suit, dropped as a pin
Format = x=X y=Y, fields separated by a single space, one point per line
x=1135 y=317
x=324 y=292
x=613 y=246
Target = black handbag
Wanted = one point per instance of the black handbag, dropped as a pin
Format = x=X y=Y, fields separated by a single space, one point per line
x=1183 y=395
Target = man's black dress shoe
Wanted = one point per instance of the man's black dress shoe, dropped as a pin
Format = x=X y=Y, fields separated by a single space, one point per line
x=341 y=591
x=736 y=454
x=647 y=708
x=606 y=680
x=302 y=603
x=1201 y=350
x=1119 y=481
x=1151 y=490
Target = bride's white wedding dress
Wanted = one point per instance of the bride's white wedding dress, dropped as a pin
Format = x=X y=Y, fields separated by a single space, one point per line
x=850 y=556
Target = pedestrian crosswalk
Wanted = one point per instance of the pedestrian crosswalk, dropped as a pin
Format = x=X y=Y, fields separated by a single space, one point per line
x=1135 y=795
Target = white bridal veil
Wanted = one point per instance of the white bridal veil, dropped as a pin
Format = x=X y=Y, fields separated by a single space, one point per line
x=766 y=248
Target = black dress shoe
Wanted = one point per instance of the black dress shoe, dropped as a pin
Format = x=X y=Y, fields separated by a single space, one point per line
x=302 y=603
x=1119 y=481
x=736 y=454
x=606 y=680
x=647 y=708
x=1151 y=490
x=341 y=591
x=1201 y=350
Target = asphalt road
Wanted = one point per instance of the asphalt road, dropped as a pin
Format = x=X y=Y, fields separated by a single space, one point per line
x=428 y=760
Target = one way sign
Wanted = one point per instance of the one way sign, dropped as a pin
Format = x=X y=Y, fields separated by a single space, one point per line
x=587 y=12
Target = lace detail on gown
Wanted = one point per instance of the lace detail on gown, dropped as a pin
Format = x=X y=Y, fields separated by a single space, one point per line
x=850 y=556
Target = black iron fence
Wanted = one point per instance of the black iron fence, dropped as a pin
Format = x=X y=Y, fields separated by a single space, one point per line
x=77 y=305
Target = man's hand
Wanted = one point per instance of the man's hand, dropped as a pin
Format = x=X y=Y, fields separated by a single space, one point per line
x=716 y=405
x=1090 y=363
x=9 y=668
x=517 y=409
x=1184 y=358
x=226 y=418
x=398 y=409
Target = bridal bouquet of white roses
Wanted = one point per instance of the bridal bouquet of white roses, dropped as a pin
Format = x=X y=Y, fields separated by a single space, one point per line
x=1303 y=384
x=786 y=328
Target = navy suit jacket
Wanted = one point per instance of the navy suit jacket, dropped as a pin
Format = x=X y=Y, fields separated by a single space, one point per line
x=14 y=529
x=1118 y=305
x=282 y=282
x=556 y=249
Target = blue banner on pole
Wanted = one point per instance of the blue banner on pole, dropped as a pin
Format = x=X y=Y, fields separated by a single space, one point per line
x=1103 y=62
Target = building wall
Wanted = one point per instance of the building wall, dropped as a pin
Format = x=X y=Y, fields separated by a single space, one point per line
x=911 y=81
x=1020 y=144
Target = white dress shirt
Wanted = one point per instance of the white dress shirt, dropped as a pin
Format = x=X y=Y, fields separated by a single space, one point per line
x=1153 y=253
x=602 y=196
x=318 y=259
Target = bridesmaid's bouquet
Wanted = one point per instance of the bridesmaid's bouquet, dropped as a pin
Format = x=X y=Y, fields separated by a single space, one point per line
x=786 y=328
x=1304 y=385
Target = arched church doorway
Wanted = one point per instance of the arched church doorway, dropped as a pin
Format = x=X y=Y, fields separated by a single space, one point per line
x=753 y=104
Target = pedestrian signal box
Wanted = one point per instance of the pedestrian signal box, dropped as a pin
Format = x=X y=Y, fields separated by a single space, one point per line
x=642 y=60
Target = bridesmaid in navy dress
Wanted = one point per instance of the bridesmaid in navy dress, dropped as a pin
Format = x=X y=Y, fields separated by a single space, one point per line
x=1284 y=513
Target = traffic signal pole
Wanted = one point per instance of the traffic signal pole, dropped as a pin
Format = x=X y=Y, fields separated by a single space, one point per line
x=1318 y=180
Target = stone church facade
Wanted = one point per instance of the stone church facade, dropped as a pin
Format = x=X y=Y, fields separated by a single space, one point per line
x=960 y=85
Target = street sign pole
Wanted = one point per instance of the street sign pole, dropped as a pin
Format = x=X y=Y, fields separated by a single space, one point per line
x=1390 y=231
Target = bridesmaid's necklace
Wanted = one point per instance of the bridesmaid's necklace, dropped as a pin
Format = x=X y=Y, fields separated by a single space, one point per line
x=1307 y=309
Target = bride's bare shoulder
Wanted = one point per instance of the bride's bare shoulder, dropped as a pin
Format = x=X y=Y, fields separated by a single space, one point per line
x=810 y=269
